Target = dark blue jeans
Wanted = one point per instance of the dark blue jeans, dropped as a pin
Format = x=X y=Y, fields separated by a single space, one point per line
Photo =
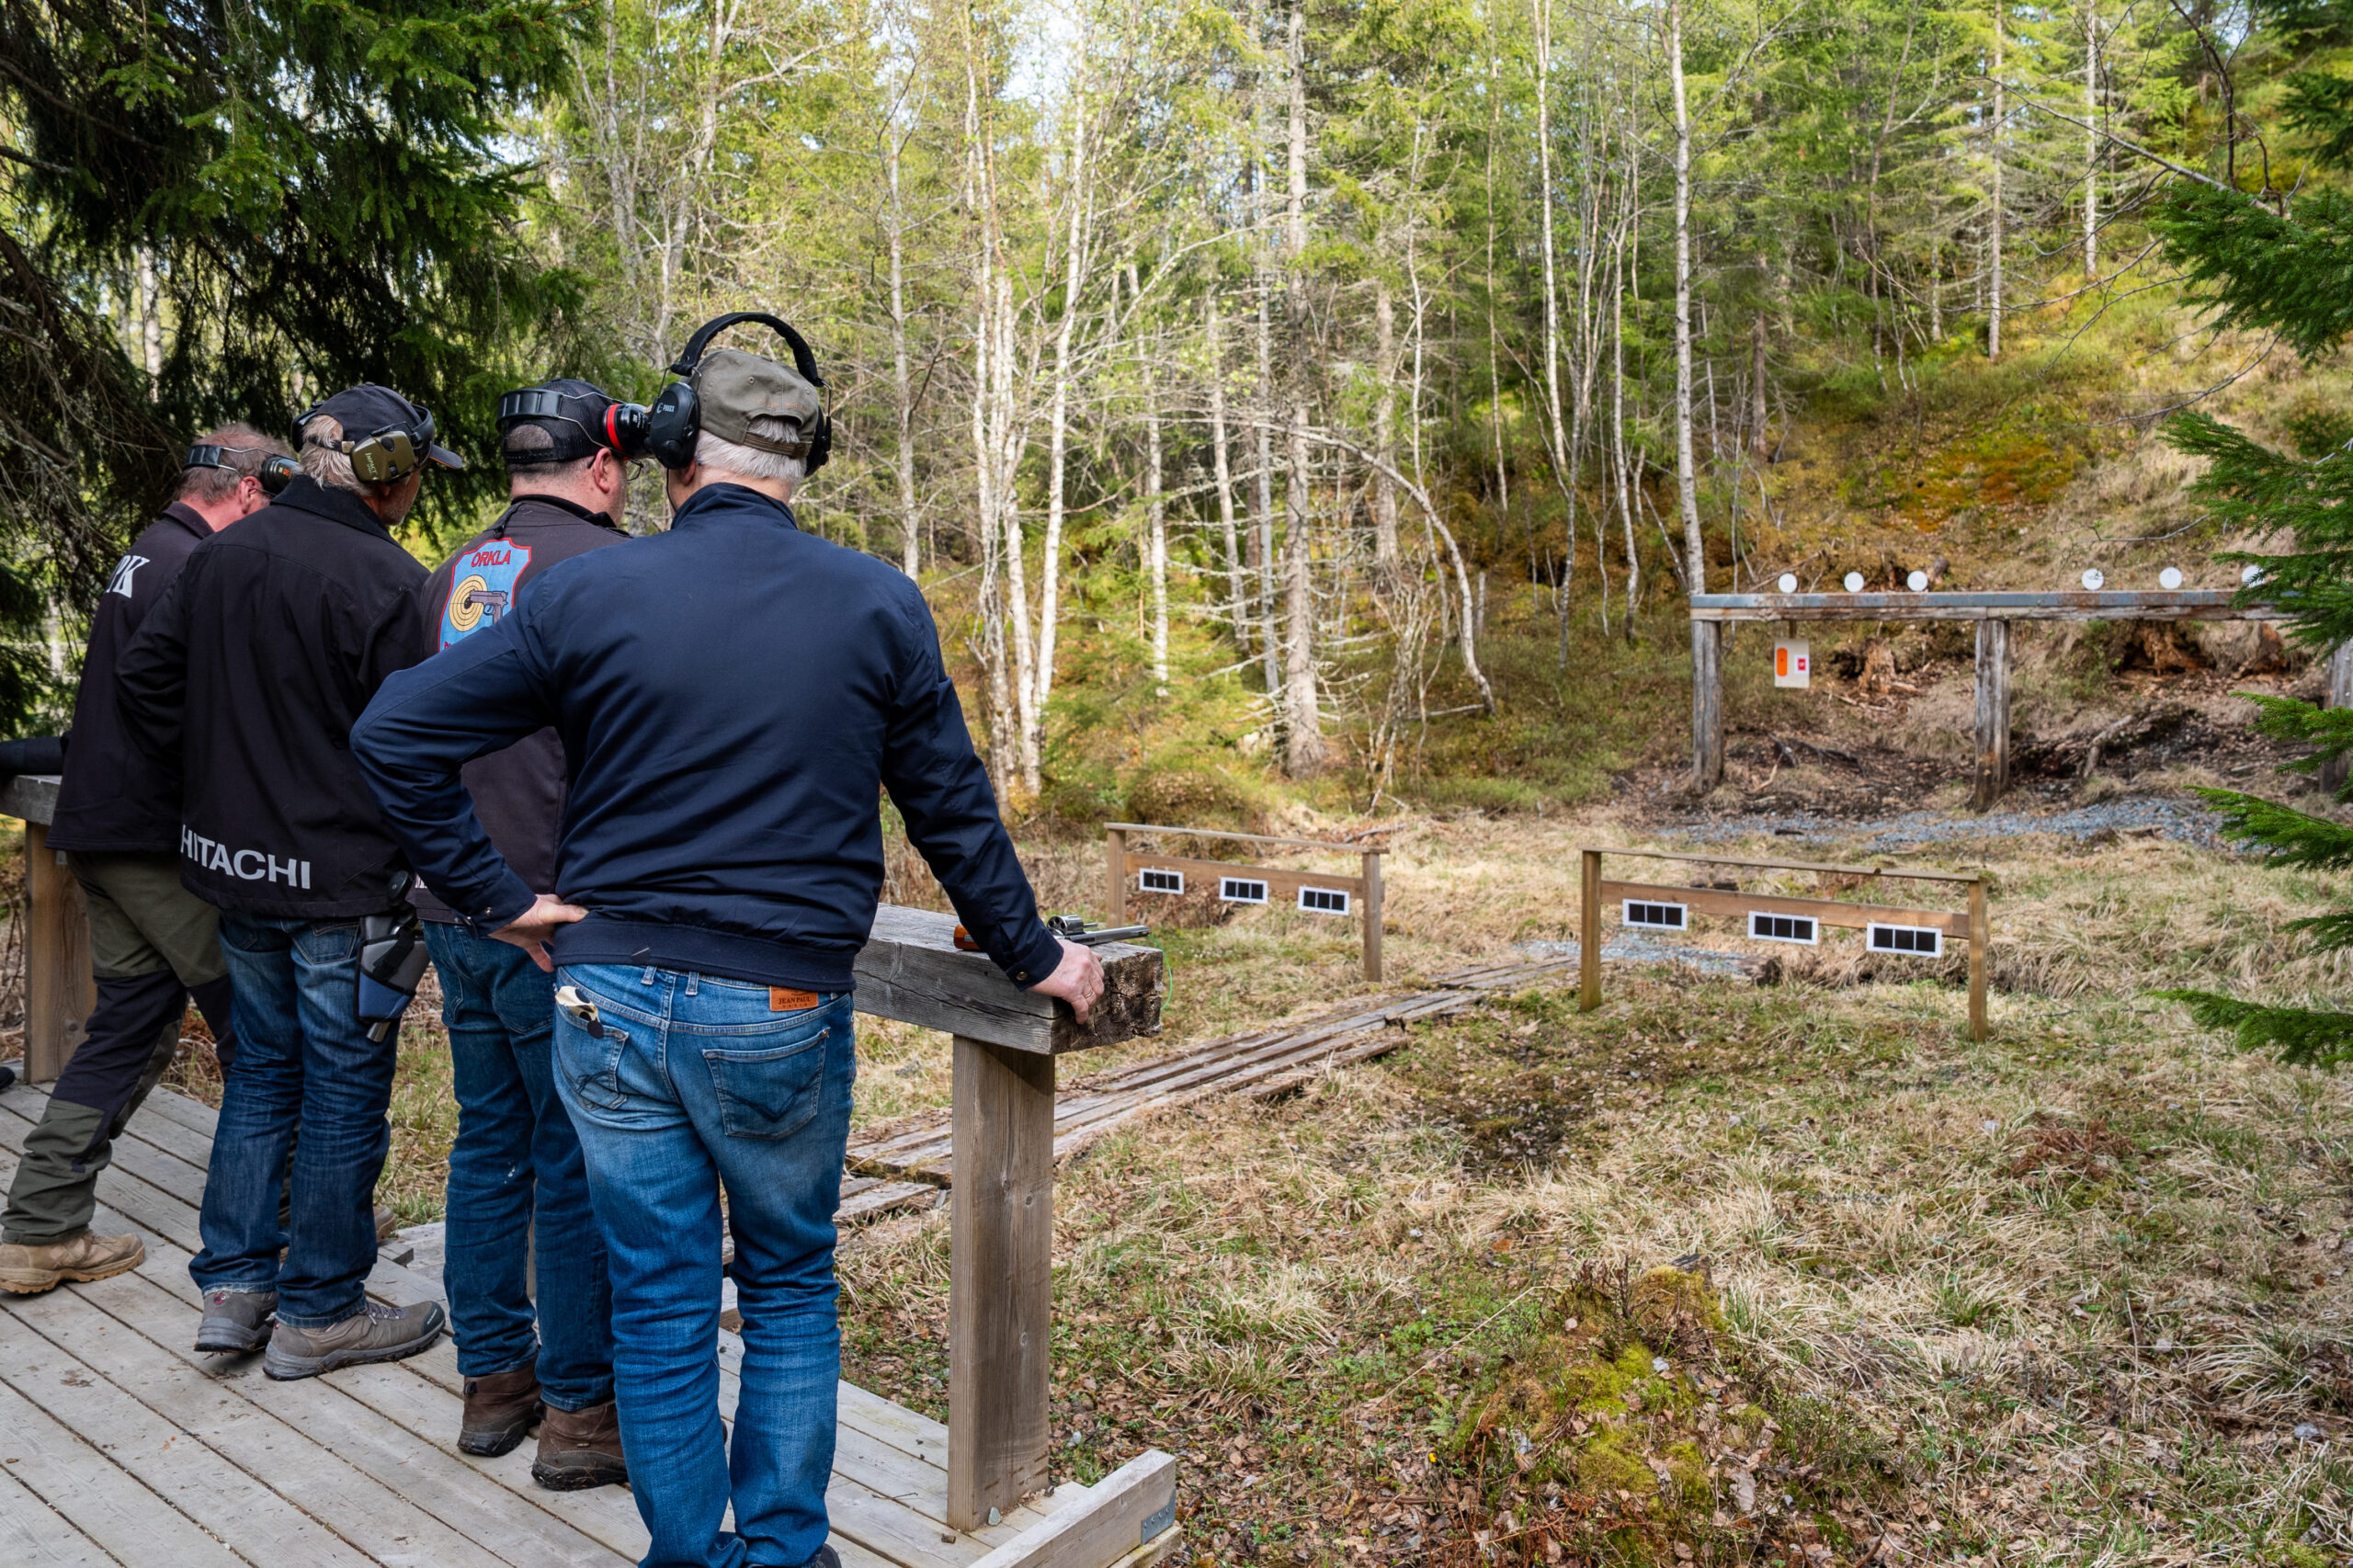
x=303 y=1059
x=515 y=1182
x=694 y=1082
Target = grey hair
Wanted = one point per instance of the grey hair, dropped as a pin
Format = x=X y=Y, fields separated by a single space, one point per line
x=321 y=461
x=243 y=448
x=749 y=462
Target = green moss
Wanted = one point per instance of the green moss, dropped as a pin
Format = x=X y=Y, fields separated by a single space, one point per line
x=1604 y=1468
x=1688 y=1468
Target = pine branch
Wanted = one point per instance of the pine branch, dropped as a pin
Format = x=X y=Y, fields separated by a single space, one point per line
x=2286 y=835
x=2299 y=1036
x=2291 y=274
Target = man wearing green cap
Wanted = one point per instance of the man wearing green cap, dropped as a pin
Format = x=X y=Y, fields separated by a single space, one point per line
x=733 y=696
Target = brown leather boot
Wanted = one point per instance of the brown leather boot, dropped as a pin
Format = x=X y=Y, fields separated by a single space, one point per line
x=580 y=1448
x=501 y=1410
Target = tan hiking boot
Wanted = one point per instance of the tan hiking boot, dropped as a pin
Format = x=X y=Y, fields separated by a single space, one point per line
x=580 y=1448
x=501 y=1410
x=375 y=1332
x=28 y=1270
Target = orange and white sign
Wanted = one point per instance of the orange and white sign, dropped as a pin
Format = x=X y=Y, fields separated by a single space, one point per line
x=1792 y=664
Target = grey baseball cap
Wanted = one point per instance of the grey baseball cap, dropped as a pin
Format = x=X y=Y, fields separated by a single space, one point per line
x=735 y=387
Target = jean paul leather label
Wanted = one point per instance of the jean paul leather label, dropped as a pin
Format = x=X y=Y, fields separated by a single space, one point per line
x=783 y=999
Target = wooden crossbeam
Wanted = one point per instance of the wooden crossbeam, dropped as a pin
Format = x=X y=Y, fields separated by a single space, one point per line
x=2113 y=604
x=1828 y=911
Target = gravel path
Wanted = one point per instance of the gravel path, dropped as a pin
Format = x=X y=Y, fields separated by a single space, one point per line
x=2181 y=822
x=1633 y=949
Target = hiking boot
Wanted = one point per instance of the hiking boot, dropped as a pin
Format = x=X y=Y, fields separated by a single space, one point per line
x=501 y=1410
x=388 y=1220
x=29 y=1269
x=580 y=1448
x=375 y=1332
x=235 y=1320
x=826 y=1558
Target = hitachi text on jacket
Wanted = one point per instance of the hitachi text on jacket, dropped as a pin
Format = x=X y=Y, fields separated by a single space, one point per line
x=211 y=855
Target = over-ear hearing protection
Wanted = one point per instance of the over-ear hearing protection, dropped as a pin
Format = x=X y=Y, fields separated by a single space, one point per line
x=277 y=472
x=673 y=422
x=389 y=454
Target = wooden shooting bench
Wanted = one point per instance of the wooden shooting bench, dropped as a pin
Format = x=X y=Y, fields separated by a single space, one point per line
x=362 y=1461
x=1970 y=926
x=1992 y=612
x=1314 y=892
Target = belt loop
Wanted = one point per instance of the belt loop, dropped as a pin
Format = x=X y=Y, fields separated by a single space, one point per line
x=694 y=979
x=647 y=978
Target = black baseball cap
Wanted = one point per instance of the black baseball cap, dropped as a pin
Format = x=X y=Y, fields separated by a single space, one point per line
x=573 y=412
x=368 y=409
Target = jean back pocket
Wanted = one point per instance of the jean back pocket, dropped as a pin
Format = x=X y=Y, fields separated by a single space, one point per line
x=768 y=1091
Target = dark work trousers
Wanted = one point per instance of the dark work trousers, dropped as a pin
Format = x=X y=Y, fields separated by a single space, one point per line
x=153 y=945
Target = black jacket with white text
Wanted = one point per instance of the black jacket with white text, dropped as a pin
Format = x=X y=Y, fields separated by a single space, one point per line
x=252 y=670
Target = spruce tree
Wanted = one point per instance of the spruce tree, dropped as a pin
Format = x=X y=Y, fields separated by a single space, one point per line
x=2286 y=269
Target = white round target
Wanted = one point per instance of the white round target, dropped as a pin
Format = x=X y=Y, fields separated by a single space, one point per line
x=1917 y=582
x=1854 y=582
x=2170 y=578
x=1788 y=583
x=2251 y=575
x=2095 y=579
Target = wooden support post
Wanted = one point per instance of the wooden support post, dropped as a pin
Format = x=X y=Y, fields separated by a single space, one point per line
x=2340 y=695
x=1371 y=912
x=1115 y=877
x=1993 y=776
x=1707 y=706
x=1000 y=1279
x=1589 y=935
x=1979 y=932
x=59 y=992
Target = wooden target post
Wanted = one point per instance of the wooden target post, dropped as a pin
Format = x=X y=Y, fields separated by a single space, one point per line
x=1127 y=871
x=1890 y=929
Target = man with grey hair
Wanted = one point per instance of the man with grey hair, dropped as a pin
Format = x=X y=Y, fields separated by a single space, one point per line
x=250 y=672
x=152 y=943
x=734 y=695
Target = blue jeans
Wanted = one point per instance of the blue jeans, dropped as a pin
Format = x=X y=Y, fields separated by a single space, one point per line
x=694 y=1082
x=515 y=1182
x=303 y=1059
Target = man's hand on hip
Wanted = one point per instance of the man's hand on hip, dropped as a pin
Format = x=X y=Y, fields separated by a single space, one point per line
x=1077 y=980
x=532 y=928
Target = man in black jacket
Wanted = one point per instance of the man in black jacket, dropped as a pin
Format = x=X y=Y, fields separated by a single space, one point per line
x=517 y=1195
x=732 y=696
x=251 y=671
x=152 y=942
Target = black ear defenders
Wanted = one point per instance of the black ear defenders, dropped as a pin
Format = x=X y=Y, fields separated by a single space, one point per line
x=619 y=428
x=276 y=473
x=390 y=453
x=675 y=420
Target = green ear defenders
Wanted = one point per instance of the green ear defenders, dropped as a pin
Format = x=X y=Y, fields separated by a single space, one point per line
x=674 y=420
x=390 y=453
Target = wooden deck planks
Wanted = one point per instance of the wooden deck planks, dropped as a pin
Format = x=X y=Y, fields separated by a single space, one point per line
x=95 y=1495
x=35 y=1535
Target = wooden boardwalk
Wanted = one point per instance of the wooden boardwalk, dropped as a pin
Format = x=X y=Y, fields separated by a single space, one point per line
x=1259 y=1064
x=121 y=1445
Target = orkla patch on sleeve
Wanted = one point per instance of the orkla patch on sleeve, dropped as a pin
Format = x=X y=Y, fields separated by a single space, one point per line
x=482 y=587
x=782 y=999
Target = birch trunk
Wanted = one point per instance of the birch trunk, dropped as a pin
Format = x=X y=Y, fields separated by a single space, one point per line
x=1556 y=440
x=1238 y=596
x=1686 y=478
x=1618 y=409
x=1993 y=145
x=2091 y=138
x=1262 y=531
x=903 y=401
x=1058 y=418
x=150 y=323
x=1384 y=425
x=1304 y=736
x=1156 y=505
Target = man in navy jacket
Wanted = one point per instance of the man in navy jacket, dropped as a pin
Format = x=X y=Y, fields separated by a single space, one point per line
x=732 y=697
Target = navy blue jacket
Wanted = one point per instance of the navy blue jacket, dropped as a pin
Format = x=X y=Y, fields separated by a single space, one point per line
x=732 y=696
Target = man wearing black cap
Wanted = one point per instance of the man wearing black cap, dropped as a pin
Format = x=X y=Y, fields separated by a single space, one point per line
x=516 y=1184
x=250 y=673
x=152 y=942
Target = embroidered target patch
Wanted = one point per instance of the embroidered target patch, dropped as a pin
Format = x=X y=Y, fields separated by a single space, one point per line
x=482 y=587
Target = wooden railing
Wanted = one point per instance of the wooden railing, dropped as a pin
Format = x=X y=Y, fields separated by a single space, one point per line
x=1001 y=1222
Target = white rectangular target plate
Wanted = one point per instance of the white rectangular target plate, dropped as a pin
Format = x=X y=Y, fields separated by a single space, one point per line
x=1324 y=901
x=1152 y=879
x=1241 y=889
x=1792 y=664
x=1649 y=915
x=1800 y=928
x=1915 y=941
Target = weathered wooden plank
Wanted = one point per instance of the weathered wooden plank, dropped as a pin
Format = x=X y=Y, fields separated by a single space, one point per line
x=30 y=796
x=428 y=1475
x=1829 y=912
x=1371 y=913
x=893 y=1530
x=96 y=1496
x=1339 y=846
x=35 y=1535
x=59 y=990
x=1992 y=773
x=1707 y=705
x=2113 y=604
x=911 y=970
x=1126 y=1509
x=1282 y=884
x=1000 y=1292
x=50 y=1346
x=2333 y=772
x=194 y=1115
x=1902 y=873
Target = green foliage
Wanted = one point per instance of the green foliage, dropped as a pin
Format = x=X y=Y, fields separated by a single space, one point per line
x=2255 y=267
